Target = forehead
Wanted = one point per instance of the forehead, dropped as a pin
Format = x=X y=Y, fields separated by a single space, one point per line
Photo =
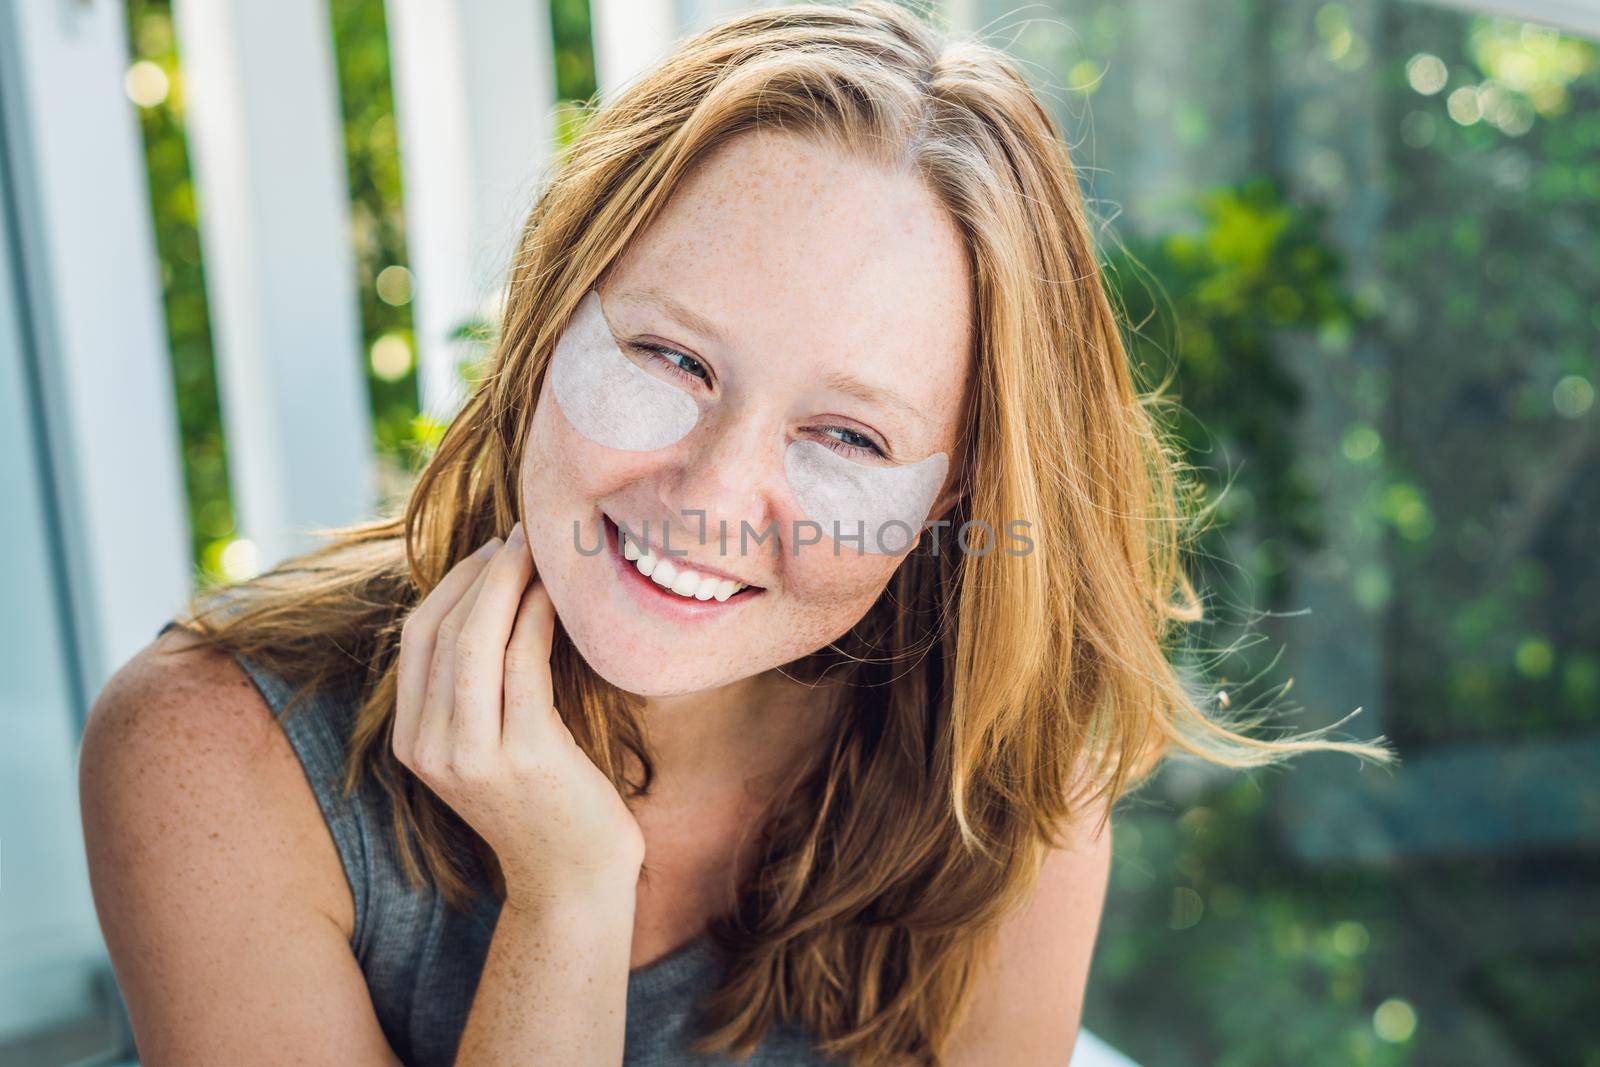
x=807 y=257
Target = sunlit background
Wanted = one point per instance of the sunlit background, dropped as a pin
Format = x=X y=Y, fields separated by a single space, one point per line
x=1364 y=235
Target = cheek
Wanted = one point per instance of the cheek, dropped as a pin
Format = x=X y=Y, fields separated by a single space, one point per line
x=542 y=466
x=828 y=594
x=561 y=477
x=562 y=471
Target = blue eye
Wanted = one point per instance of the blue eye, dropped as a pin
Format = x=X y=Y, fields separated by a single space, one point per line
x=689 y=368
x=853 y=443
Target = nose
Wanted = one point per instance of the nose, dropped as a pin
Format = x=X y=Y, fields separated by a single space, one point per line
x=726 y=476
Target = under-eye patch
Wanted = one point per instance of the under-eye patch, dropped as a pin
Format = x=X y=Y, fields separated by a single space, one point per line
x=609 y=398
x=879 y=509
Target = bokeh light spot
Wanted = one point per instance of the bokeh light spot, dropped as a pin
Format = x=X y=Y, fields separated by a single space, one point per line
x=1395 y=1020
x=146 y=84
x=394 y=285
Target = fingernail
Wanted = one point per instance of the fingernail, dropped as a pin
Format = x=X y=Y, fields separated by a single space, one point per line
x=487 y=549
x=518 y=538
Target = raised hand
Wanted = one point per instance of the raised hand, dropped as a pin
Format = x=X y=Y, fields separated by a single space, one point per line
x=477 y=724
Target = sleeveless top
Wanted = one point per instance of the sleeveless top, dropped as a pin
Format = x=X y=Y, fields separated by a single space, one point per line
x=422 y=959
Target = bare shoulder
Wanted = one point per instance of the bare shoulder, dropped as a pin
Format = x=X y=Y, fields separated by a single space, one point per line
x=181 y=729
x=220 y=893
x=1029 y=994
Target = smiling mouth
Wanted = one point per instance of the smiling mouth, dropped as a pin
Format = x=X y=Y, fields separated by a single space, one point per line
x=671 y=579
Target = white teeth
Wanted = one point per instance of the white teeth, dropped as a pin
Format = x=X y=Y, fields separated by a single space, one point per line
x=684 y=582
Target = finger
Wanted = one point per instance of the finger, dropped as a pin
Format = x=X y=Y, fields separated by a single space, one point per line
x=433 y=731
x=529 y=688
x=417 y=638
x=481 y=649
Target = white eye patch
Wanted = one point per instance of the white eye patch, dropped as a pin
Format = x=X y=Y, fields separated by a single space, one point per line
x=886 y=506
x=609 y=398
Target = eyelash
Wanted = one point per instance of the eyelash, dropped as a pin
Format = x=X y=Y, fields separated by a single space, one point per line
x=665 y=356
x=846 y=448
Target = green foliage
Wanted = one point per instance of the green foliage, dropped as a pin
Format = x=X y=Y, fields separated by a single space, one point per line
x=1225 y=294
x=570 y=37
x=1498 y=328
x=172 y=201
x=1233 y=957
x=377 y=229
x=1207 y=924
x=1469 y=374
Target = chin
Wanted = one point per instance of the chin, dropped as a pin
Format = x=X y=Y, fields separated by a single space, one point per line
x=638 y=676
x=648 y=659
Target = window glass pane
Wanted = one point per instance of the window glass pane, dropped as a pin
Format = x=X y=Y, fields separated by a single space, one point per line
x=1370 y=235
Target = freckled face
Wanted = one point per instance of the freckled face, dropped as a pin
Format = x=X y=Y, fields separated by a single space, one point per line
x=801 y=271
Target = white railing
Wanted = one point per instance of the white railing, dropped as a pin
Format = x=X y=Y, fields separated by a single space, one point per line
x=267 y=150
x=475 y=91
x=94 y=541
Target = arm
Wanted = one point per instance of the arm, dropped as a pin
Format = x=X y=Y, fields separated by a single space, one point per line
x=1029 y=994
x=576 y=956
x=218 y=888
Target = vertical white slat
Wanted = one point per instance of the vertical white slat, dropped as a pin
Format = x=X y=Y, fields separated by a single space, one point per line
x=630 y=36
x=261 y=103
x=93 y=308
x=475 y=92
x=94 y=546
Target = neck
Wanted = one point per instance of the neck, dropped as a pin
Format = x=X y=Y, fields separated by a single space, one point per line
x=741 y=736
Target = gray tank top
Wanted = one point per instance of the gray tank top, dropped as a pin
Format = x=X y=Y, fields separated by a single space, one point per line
x=422 y=959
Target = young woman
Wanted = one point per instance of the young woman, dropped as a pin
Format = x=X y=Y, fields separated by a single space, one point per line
x=644 y=733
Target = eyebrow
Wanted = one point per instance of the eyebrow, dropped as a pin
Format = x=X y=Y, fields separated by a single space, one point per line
x=871 y=394
x=674 y=307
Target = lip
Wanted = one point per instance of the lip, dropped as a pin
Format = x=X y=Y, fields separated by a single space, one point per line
x=653 y=598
